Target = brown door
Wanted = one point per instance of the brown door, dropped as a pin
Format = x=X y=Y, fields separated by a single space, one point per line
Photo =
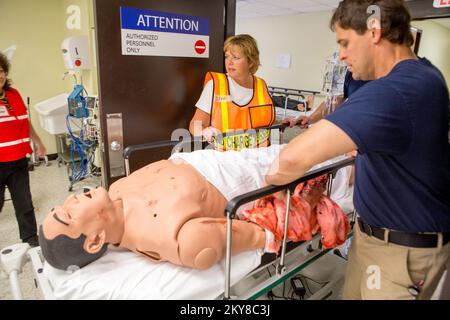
x=152 y=95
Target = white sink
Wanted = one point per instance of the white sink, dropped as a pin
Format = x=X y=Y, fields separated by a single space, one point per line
x=52 y=113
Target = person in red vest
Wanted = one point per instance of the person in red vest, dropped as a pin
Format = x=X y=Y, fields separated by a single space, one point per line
x=15 y=134
x=235 y=101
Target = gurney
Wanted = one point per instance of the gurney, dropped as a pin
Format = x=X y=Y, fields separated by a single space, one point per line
x=283 y=99
x=125 y=275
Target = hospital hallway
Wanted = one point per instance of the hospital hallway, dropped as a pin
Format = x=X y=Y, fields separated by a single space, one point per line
x=138 y=108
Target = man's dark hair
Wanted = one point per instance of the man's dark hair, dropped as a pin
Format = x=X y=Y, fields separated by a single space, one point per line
x=5 y=65
x=395 y=18
x=63 y=252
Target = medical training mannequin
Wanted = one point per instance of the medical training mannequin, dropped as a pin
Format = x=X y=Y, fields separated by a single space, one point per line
x=158 y=212
x=167 y=211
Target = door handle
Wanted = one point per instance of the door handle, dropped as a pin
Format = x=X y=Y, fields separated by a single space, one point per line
x=115 y=145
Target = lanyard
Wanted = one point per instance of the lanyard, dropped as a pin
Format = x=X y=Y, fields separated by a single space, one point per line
x=5 y=101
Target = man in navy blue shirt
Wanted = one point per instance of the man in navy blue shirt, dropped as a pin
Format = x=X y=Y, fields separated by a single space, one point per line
x=399 y=124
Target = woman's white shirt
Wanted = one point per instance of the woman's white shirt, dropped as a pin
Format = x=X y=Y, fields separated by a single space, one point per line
x=240 y=95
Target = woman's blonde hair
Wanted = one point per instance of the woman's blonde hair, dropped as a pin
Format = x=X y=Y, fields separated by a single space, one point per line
x=248 y=46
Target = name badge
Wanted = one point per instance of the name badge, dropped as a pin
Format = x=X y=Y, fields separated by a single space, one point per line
x=3 y=111
x=218 y=98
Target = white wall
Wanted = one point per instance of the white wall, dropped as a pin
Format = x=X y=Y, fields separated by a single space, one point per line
x=306 y=37
x=435 y=45
x=36 y=28
x=89 y=77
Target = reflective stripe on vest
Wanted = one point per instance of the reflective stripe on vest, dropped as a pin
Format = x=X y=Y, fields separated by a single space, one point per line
x=223 y=96
x=13 y=143
x=259 y=90
x=13 y=118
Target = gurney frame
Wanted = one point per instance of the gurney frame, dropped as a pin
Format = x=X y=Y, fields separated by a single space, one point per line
x=282 y=272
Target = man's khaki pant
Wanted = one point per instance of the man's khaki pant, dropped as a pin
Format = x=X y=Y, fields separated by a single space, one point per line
x=377 y=269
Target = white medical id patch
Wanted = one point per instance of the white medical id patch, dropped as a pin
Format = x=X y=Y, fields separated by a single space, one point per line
x=3 y=111
x=218 y=98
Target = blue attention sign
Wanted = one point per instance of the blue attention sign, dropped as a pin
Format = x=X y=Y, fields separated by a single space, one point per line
x=139 y=19
x=155 y=33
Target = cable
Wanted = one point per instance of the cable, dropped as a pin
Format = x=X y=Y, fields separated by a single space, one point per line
x=305 y=284
x=315 y=281
x=79 y=145
x=303 y=279
x=288 y=296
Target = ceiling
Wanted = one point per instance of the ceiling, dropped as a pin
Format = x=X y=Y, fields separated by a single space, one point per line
x=263 y=8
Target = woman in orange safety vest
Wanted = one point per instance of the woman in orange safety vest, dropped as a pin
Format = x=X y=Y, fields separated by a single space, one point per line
x=236 y=101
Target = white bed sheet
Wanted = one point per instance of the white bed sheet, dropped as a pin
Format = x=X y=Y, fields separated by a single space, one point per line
x=234 y=173
x=121 y=274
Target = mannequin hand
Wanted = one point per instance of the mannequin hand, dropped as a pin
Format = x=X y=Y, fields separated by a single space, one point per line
x=209 y=132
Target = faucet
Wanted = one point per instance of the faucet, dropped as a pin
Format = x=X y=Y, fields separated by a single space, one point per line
x=70 y=72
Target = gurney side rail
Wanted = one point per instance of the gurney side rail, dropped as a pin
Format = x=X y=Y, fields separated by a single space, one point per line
x=294 y=92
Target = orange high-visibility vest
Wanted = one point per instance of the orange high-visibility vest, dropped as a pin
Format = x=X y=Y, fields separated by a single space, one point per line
x=227 y=116
x=14 y=128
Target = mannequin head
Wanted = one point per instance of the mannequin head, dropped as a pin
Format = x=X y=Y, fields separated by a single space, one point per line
x=76 y=232
x=62 y=252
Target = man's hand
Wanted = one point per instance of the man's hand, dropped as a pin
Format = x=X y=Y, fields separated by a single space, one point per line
x=303 y=121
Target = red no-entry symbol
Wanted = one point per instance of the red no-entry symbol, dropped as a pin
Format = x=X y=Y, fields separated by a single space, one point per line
x=200 y=46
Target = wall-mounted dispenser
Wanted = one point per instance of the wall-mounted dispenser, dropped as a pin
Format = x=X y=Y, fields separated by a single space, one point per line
x=75 y=52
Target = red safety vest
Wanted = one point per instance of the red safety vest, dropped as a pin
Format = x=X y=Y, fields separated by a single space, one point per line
x=14 y=128
x=226 y=115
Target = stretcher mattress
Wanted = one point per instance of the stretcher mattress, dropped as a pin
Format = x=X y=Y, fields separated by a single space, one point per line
x=121 y=274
